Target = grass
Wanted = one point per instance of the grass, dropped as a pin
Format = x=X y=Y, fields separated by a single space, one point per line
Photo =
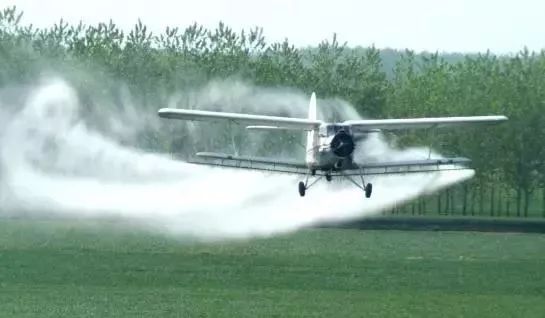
x=58 y=269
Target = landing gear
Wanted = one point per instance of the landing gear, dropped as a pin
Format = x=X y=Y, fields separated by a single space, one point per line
x=302 y=189
x=366 y=187
x=303 y=186
x=368 y=190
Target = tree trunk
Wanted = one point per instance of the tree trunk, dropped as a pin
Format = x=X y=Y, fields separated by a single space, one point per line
x=439 y=203
x=543 y=208
x=413 y=208
x=492 y=198
x=452 y=202
x=447 y=201
x=464 y=200
x=527 y=194
x=508 y=207
x=519 y=200
x=500 y=202
x=472 y=208
x=481 y=200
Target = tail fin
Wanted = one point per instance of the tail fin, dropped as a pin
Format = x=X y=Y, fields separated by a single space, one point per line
x=312 y=136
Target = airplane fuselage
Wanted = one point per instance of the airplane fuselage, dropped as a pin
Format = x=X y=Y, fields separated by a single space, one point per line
x=333 y=148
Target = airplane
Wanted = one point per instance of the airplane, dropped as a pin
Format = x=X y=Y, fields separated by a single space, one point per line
x=329 y=146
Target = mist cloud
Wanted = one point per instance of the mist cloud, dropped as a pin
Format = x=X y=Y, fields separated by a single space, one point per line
x=53 y=164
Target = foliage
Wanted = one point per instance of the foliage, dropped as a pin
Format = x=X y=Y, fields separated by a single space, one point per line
x=154 y=66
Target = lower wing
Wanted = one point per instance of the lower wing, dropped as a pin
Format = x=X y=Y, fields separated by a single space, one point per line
x=248 y=162
x=295 y=167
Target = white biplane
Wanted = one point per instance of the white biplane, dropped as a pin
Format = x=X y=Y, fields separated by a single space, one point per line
x=330 y=146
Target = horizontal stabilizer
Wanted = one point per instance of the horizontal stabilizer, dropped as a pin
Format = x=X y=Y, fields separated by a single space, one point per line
x=273 y=128
x=421 y=123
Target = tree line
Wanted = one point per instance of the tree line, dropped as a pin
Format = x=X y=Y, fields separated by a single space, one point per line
x=508 y=158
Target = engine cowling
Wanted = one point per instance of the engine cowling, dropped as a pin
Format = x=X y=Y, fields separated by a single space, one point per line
x=342 y=144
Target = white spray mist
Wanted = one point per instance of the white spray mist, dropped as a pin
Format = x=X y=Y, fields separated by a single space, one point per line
x=53 y=165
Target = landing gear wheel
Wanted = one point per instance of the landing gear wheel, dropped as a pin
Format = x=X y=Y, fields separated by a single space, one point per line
x=302 y=188
x=328 y=177
x=368 y=190
x=313 y=172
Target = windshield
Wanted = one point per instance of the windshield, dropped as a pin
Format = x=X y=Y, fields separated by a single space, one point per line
x=330 y=130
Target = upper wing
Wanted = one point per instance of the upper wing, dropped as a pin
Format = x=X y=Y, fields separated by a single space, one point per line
x=244 y=119
x=420 y=123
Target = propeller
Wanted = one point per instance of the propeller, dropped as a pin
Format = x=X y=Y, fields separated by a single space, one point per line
x=342 y=144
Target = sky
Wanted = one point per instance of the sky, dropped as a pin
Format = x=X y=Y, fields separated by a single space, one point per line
x=501 y=26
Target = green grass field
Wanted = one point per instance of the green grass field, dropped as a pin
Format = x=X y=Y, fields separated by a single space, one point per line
x=57 y=269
